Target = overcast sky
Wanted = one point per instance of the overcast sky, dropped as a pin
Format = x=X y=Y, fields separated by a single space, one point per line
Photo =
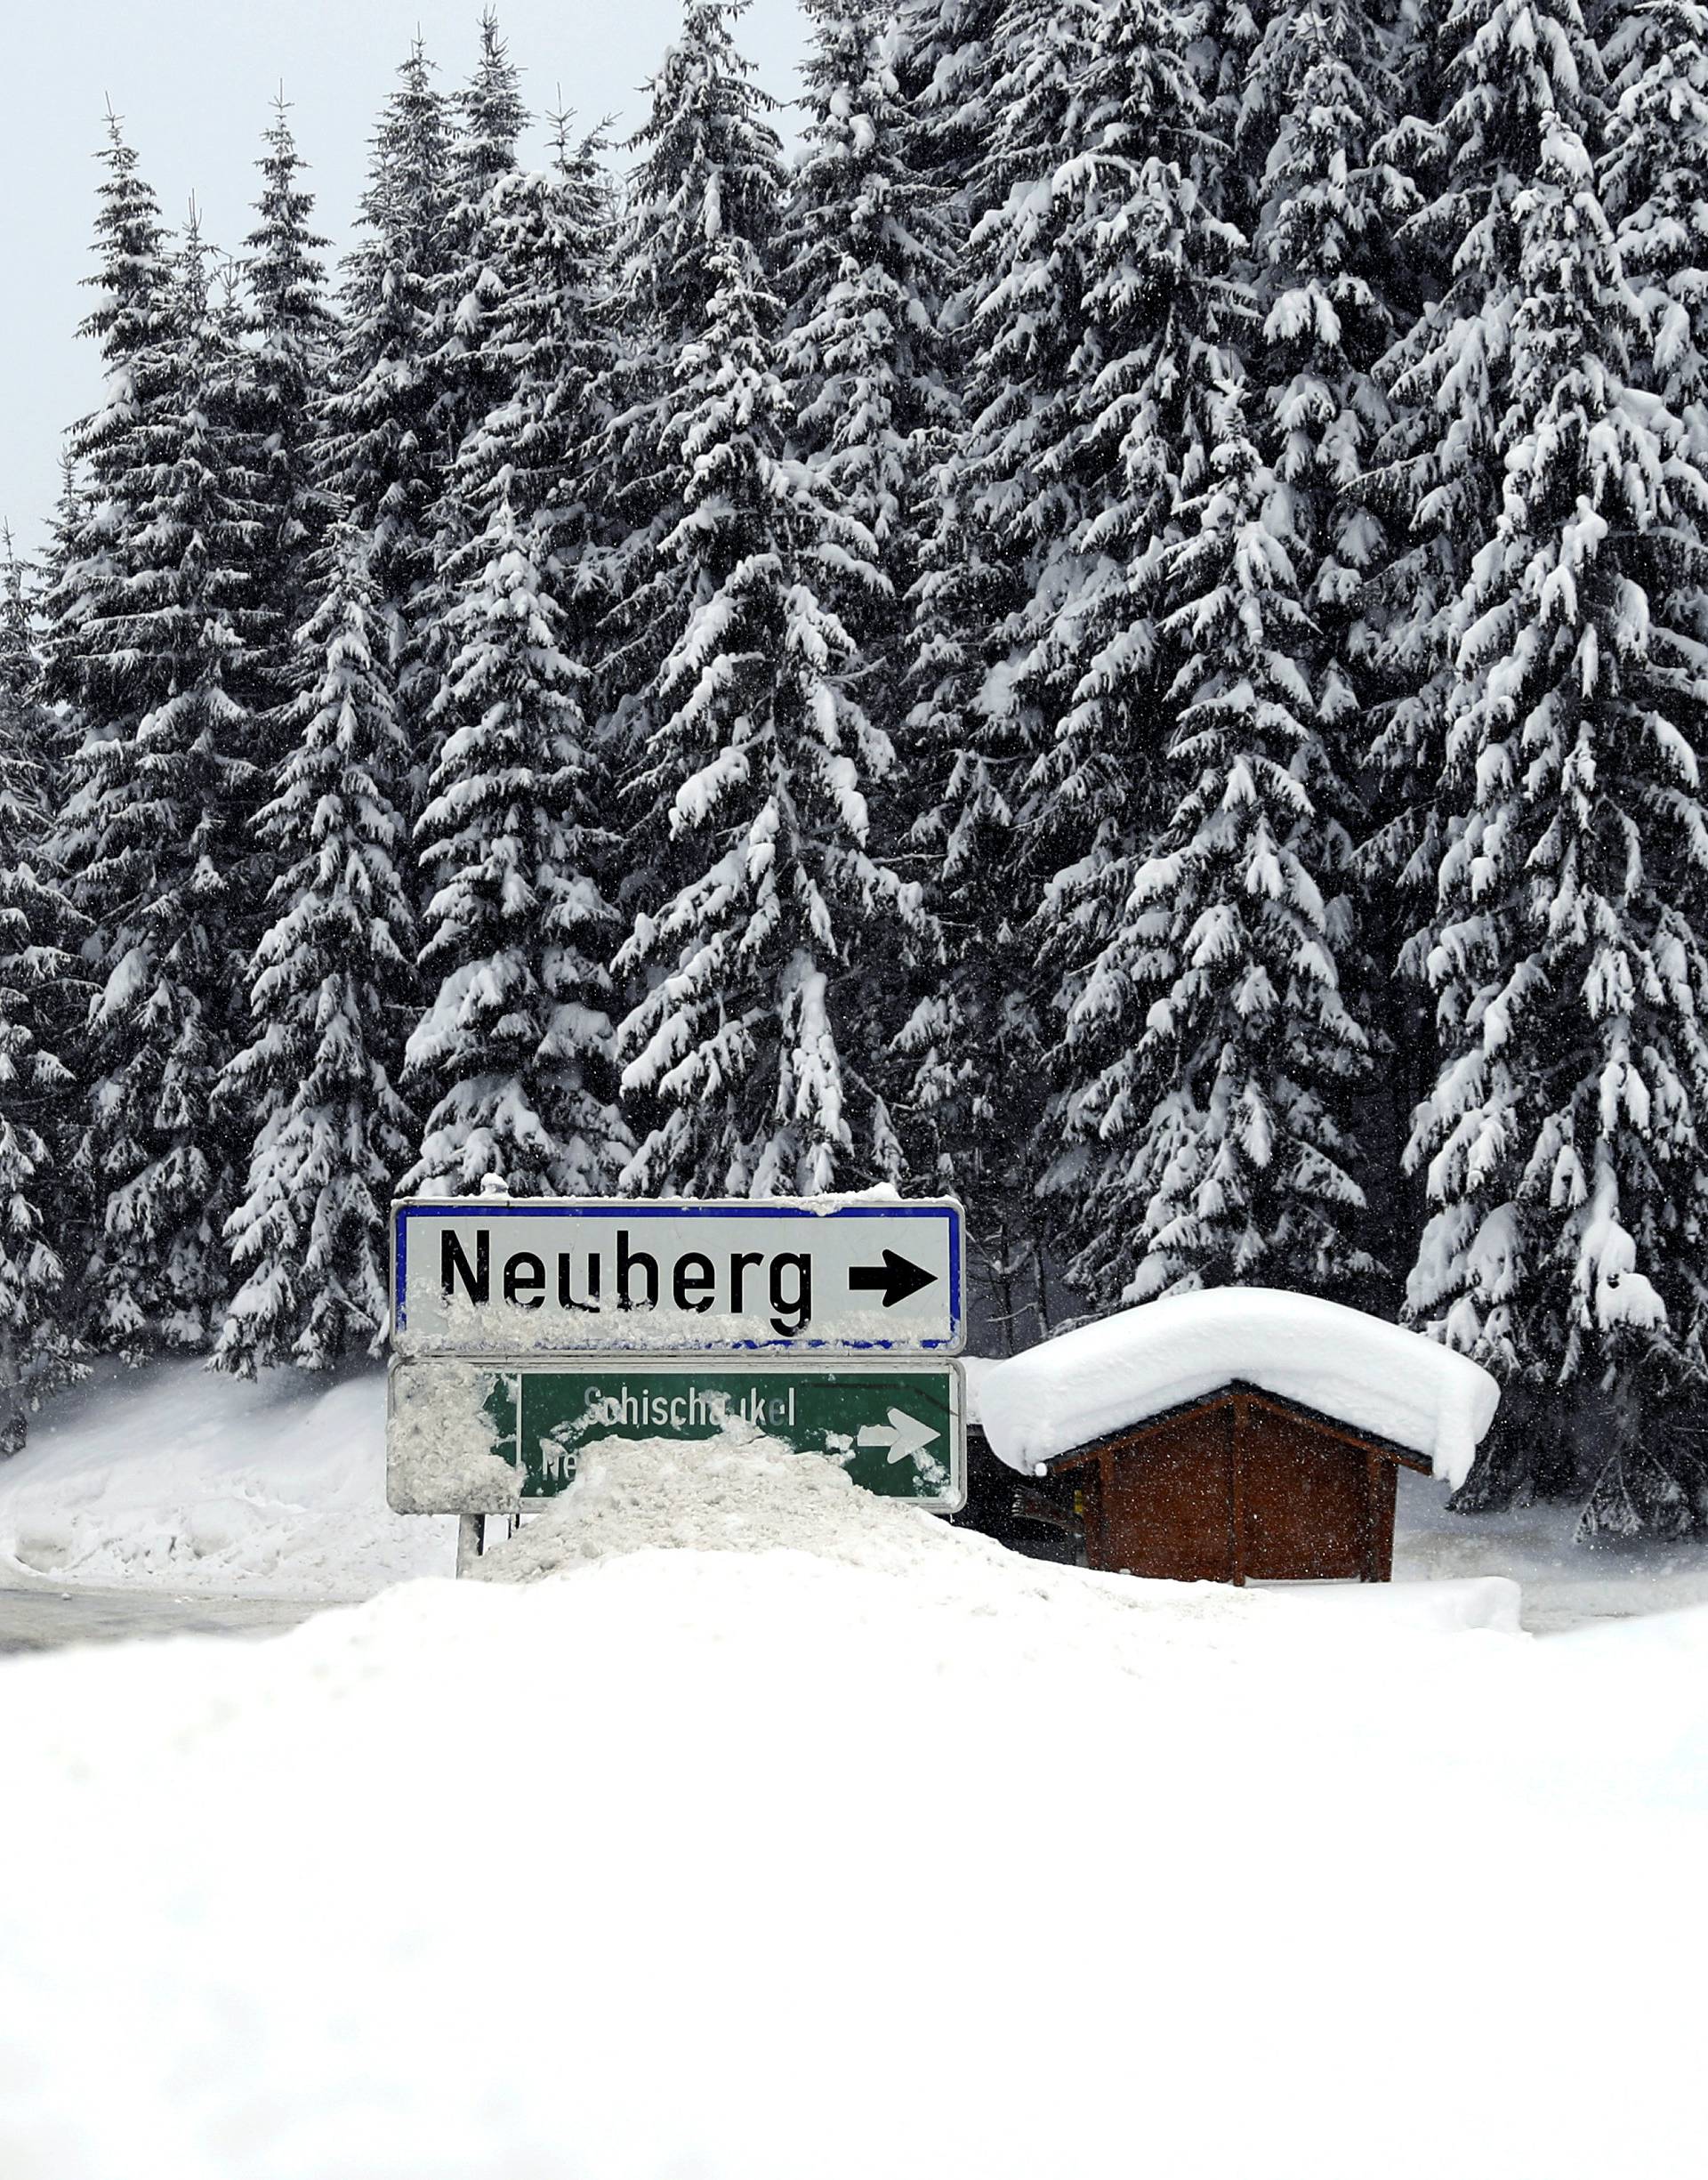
x=193 y=79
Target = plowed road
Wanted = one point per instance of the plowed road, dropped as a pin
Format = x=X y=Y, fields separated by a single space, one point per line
x=46 y=1618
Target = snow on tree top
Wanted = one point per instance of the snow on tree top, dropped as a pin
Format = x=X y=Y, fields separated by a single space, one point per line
x=1371 y=1375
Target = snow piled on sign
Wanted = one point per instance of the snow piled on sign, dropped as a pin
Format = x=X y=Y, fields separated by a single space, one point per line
x=1365 y=1373
x=442 y=1450
x=740 y=1491
x=757 y=1864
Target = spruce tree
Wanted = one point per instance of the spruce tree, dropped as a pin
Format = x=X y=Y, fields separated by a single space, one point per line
x=85 y=662
x=1104 y=315
x=872 y=254
x=1223 y=38
x=1654 y=180
x=1330 y=294
x=552 y=234
x=952 y=75
x=330 y=989
x=1226 y=1052
x=1114 y=319
x=388 y=424
x=1436 y=476
x=762 y=920
x=1323 y=283
x=515 y=1053
x=286 y=362
x=710 y=165
x=489 y=118
x=473 y=366
x=870 y=257
x=37 y=977
x=1002 y=93
x=149 y=643
x=1562 y=1147
x=515 y=1047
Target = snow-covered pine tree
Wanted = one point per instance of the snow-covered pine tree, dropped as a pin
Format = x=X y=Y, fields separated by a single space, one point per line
x=1104 y=308
x=1002 y=95
x=765 y=925
x=386 y=447
x=871 y=248
x=951 y=76
x=1323 y=283
x=1223 y=41
x=1101 y=427
x=1563 y=1142
x=870 y=257
x=474 y=369
x=331 y=989
x=149 y=636
x=86 y=660
x=710 y=163
x=1654 y=180
x=1421 y=57
x=552 y=232
x=1435 y=477
x=37 y=979
x=286 y=361
x=1329 y=296
x=489 y=118
x=515 y=1051
x=1227 y=1055
x=763 y=922
x=964 y=1023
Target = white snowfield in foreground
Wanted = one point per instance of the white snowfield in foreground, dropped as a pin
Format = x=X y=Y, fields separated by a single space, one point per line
x=1140 y=1362
x=894 y=1856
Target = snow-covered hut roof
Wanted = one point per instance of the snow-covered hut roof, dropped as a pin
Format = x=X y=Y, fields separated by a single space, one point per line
x=1359 y=1371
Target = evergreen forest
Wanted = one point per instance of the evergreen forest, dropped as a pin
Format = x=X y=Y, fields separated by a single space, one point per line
x=1120 y=634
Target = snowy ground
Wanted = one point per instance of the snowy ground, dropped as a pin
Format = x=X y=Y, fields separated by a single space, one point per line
x=174 y=1479
x=36 y=1617
x=892 y=1855
x=183 y=1485
x=1565 y=1584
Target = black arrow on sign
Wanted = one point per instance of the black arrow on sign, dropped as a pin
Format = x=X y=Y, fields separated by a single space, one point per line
x=895 y=1279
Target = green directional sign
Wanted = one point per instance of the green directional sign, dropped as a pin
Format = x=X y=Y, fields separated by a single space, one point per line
x=898 y=1429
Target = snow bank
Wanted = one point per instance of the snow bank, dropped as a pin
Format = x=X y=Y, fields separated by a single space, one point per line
x=172 y=1476
x=1141 y=1362
x=740 y=1491
x=750 y=1864
x=745 y=1492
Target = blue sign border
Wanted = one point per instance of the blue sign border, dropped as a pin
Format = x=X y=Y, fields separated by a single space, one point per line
x=770 y=1207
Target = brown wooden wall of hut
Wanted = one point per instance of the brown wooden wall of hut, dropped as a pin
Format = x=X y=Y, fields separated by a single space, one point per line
x=1243 y=1488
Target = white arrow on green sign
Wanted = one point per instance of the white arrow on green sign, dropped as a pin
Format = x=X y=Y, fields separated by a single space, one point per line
x=898 y=1429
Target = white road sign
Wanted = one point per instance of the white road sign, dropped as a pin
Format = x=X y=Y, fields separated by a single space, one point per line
x=477 y=1276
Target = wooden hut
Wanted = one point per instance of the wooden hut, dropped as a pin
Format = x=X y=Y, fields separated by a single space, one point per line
x=1241 y=1487
x=1241 y=1435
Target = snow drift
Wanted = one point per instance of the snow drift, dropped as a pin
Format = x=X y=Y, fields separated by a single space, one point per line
x=1141 y=1362
x=173 y=1475
x=754 y=1862
x=740 y=1491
